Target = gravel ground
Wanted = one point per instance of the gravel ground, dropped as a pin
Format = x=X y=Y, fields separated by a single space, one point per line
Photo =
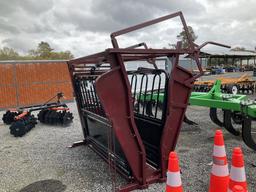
x=41 y=161
x=227 y=75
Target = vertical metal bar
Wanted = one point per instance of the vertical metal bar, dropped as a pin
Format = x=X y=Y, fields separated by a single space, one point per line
x=152 y=91
x=134 y=82
x=140 y=92
x=81 y=116
x=145 y=93
x=85 y=95
x=101 y=110
x=123 y=115
x=95 y=98
x=165 y=96
x=87 y=99
x=158 y=92
x=16 y=84
x=78 y=91
x=82 y=92
x=92 y=99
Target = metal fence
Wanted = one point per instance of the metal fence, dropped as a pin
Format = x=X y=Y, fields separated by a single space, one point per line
x=32 y=82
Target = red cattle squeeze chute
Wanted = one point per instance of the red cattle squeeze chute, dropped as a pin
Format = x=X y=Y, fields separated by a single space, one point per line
x=115 y=123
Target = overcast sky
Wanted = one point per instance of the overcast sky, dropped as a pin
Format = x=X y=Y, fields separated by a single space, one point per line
x=83 y=26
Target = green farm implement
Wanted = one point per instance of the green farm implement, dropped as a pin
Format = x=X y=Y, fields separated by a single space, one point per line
x=234 y=112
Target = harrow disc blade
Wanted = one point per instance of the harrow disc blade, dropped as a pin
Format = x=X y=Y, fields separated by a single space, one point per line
x=51 y=117
x=228 y=123
x=41 y=115
x=67 y=118
x=55 y=118
x=214 y=117
x=47 y=117
x=8 y=117
x=22 y=126
x=249 y=133
x=18 y=128
x=32 y=120
x=59 y=117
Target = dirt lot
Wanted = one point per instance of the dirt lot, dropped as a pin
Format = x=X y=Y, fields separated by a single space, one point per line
x=41 y=161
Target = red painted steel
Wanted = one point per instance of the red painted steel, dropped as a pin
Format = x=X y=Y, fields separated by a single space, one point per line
x=23 y=114
x=114 y=90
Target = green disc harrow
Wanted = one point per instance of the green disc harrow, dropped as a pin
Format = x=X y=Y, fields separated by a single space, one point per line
x=234 y=112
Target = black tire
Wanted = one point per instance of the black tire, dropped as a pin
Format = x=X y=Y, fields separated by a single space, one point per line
x=233 y=89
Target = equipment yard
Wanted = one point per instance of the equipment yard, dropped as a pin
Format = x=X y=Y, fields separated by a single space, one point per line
x=41 y=161
x=124 y=96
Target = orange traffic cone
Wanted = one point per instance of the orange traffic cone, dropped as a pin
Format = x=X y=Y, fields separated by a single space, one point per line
x=173 y=183
x=219 y=175
x=237 y=172
x=238 y=188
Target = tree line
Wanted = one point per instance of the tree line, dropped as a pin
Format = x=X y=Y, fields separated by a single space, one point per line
x=43 y=51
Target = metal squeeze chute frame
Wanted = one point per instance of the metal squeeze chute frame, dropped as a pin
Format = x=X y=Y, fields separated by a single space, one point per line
x=105 y=102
